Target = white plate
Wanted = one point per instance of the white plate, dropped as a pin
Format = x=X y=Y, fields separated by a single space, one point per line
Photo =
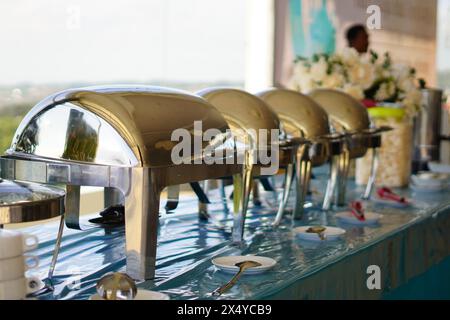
x=349 y=218
x=228 y=264
x=331 y=234
x=430 y=179
x=428 y=189
x=392 y=203
x=439 y=167
x=141 y=295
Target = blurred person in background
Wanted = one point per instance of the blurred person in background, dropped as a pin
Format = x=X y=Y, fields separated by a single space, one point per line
x=358 y=38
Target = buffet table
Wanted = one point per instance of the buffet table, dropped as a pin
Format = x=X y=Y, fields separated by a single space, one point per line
x=411 y=246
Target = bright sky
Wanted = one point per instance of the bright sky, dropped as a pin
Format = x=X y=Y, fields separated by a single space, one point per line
x=53 y=41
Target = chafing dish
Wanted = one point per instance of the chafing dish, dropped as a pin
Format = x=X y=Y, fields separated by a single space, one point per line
x=119 y=138
x=301 y=116
x=256 y=129
x=349 y=117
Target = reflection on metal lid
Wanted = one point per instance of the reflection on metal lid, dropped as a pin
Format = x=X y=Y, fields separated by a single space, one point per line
x=342 y=109
x=25 y=202
x=121 y=125
x=297 y=112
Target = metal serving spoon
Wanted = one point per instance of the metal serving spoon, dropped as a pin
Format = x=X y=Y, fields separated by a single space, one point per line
x=116 y=286
x=320 y=231
x=244 y=265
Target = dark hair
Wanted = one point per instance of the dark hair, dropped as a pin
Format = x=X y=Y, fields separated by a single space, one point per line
x=353 y=32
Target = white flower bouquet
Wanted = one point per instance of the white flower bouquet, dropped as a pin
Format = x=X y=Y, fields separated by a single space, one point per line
x=368 y=78
x=390 y=91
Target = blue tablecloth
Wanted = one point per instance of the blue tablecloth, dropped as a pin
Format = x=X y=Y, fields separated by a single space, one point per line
x=411 y=246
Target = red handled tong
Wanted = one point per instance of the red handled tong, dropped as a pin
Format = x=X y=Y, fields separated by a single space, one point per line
x=386 y=193
x=357 y=210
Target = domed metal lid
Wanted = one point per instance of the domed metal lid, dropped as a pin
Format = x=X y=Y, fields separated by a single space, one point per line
x=343 y=109
x=243 y=111
x=129 y=126
x=27 y=202
x=300 y=115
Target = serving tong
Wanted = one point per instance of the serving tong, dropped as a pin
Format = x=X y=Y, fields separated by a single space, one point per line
x=387 y=193
x=357 y=209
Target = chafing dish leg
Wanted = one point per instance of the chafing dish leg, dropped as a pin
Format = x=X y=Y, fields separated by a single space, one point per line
x=373 y=175
x=289 y=176
x=55 y=254
x=303 y=172
x=344 y=166
x=73 y=207
x=332 y=181
x=223 y=195
x=256 y=194
x=141 y=223
x=173 y=195
x=203 y=206
x=246 y=188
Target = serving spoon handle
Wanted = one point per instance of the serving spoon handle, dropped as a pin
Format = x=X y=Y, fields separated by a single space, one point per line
x=242 y=267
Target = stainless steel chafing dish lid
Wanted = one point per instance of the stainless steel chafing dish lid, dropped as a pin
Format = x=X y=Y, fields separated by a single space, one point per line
x=300 y=115
x=242 y=110
x=347 y=115
x=26 y=202
x=344 y=111
x=116 y=125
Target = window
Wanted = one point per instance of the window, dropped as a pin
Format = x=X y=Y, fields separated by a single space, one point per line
x=187 y=44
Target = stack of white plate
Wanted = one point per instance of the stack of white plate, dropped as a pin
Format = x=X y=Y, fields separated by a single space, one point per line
x=430 y=182
x=14 y=285
x=439 y=167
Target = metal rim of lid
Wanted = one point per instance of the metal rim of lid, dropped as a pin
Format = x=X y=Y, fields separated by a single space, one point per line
x=33 y=210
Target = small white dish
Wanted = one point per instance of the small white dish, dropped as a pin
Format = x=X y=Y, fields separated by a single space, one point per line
x=439 y=167
x=428 y=189
x=141 y=295
x=348 y=218
x=430 y=179
x=391 y=203
x=228 y=264
x=331 y=234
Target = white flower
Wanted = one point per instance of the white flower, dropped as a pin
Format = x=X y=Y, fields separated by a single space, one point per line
x=354 y=90
x=412 y=101
x=362 y=74
x=387 y=90
x=307 y=84
x=301 y=68
x=333 y=81
x=349 y=56
x=401 y=71
x=319 y=70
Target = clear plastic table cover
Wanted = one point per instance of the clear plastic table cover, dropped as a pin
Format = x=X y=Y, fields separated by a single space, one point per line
x=187 y=245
